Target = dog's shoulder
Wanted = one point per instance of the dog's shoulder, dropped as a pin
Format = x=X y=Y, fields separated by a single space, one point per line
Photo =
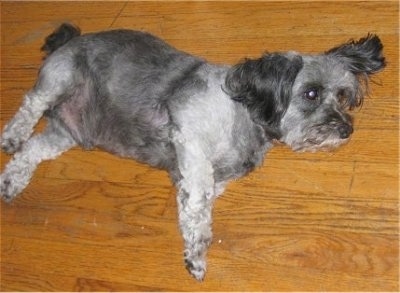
x=219 y=127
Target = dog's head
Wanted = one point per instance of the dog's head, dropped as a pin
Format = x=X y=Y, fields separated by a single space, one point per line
x=304 y=100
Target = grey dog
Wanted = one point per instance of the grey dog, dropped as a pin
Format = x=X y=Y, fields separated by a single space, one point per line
x=132 y=94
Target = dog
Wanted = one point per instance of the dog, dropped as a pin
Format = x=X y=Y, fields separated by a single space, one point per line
x=132 y=94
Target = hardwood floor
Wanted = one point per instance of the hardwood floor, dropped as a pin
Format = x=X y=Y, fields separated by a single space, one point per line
x=90 y=221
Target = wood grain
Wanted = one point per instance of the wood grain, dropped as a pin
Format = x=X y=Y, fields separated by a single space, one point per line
x=90 y=221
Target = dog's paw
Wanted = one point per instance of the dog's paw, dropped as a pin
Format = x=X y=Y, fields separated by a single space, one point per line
x=8 y=189
x=196 y=267
x=10 y=145
x=14 y=135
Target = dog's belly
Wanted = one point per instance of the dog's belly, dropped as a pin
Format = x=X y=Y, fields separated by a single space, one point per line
x=143 y=136
x=145 y=140
x=158 y=154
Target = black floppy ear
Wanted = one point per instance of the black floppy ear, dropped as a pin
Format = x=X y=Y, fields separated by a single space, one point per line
x=361 y=57
x=264 y=85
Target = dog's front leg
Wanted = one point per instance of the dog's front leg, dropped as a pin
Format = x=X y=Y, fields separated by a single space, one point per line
x=196 y=192
x=195 y=224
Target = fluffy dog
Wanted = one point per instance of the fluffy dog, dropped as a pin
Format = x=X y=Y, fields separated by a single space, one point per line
x=131 y=94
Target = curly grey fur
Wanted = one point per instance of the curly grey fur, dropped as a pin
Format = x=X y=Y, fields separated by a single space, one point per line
x=132 y=94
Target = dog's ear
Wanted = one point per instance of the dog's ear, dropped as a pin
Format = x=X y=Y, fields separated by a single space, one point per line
x=364 y=56
x=264 y=85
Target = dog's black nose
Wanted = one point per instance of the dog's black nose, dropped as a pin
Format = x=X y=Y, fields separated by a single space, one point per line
x=345 y=130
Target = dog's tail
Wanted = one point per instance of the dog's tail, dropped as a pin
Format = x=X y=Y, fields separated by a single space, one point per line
x=59 y=37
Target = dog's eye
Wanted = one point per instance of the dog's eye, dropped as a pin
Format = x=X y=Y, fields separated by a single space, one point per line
x=311 y=94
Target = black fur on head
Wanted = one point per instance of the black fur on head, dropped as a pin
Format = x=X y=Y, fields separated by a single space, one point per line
x=264 y=86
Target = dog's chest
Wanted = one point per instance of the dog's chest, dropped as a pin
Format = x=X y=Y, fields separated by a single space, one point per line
x=222 y=131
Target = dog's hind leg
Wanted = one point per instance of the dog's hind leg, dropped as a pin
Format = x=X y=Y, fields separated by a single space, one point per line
x=44 y=146
x=20 y=128
x=55 y=79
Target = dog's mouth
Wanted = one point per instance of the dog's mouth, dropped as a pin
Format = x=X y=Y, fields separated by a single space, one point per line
x=324 y=137
x=330 y=143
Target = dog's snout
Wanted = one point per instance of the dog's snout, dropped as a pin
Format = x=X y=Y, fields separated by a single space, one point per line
x=345 y=130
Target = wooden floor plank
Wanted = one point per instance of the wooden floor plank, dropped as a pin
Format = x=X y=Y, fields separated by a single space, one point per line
x=90 y=221
x=48 y=11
